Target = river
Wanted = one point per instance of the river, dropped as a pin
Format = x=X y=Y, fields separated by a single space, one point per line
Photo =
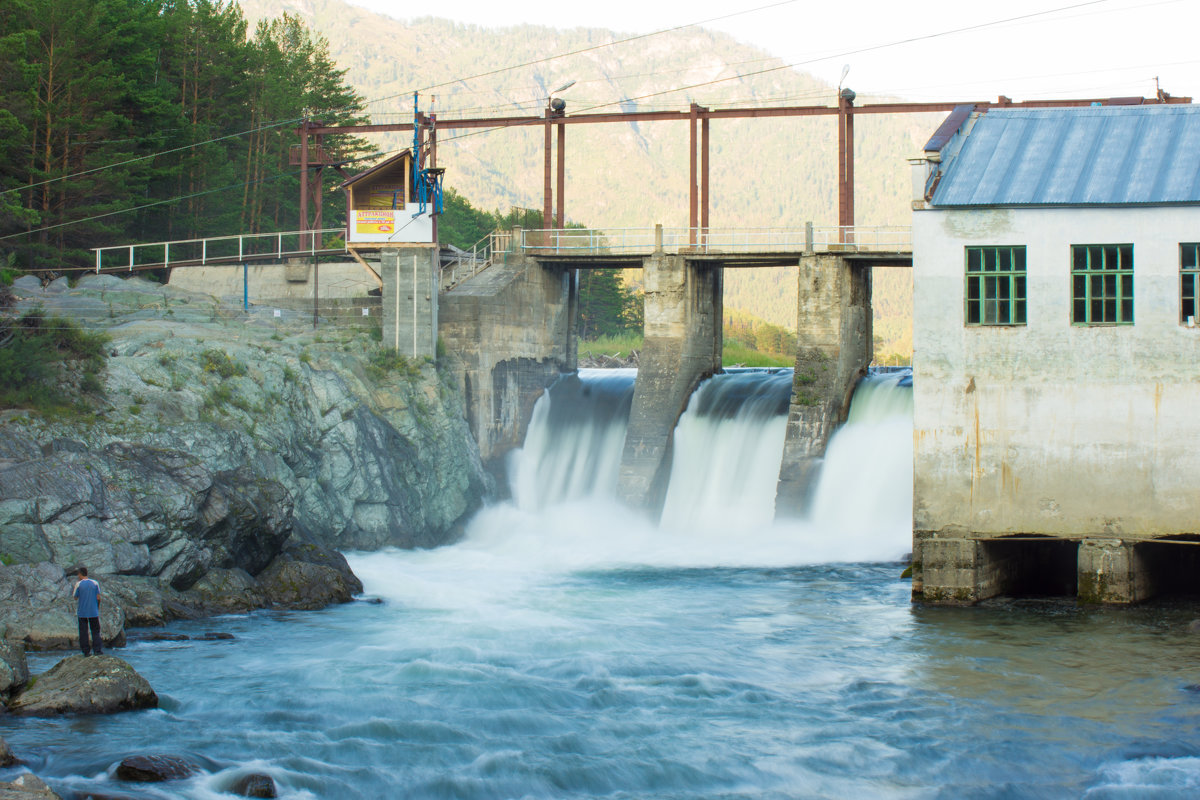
x=568 y=649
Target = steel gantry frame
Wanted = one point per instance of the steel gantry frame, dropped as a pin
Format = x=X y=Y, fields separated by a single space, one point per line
x=698 y=118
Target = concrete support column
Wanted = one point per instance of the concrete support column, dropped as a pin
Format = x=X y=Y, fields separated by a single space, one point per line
x=410 y=300
x=834 y=349
x=1112 y=572
x=682 y=347
x=948 y=571
x=508 y=336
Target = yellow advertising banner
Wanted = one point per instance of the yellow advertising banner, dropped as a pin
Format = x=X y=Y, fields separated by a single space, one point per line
x=386 y=195
x=374 y=222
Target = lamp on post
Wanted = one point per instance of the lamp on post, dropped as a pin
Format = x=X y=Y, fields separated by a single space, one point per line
x=556 y=108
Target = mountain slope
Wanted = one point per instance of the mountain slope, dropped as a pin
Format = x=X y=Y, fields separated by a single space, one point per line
x=764 y=172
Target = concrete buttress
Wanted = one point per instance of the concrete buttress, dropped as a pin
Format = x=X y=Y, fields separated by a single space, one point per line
x=834 y=349
x=682 y=347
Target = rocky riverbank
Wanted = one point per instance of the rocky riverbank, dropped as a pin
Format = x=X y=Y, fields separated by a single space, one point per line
x=226 y=460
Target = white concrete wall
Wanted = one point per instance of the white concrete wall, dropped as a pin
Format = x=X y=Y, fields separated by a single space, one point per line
x=1049 y=427
x=267 y=282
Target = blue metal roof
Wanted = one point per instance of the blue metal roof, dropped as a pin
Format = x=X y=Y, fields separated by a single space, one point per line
x=1096 y=155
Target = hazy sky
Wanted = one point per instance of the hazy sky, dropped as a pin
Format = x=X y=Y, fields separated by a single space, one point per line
x=1100 y=48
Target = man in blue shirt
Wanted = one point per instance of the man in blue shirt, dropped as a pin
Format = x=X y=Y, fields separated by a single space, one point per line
x=87 y=591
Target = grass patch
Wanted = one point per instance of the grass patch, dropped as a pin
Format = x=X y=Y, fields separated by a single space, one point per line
x=737 y=354
x=46 y=362
x=218 y=361
x=385 y=361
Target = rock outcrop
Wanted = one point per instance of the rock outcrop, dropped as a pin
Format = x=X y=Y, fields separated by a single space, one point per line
x=27 y=787
x=85 y=685
x=227 y=458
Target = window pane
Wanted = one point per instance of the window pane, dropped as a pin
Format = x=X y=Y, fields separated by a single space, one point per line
x=1126 y=256
x=1019 y=312
x=973 y=313
x=1096 y=311
x=972 y=287
x=1188 y=256
x=1020 y=290
x=1019 y=259
x=1127 y=309
x=1005 y=259
x=974 y=259
x=1111 y=259
x=990 y=312
x=1127 y=285
x=1110 y=309
x=1080 y=289
x=1079 y=312
x=1078 y=258
x=1004 y=289
x=1095 y=257
x=989 y=260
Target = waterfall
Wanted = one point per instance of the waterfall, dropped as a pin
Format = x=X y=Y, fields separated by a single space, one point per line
x=728 y=445
x=727 y=450
x=573 y=448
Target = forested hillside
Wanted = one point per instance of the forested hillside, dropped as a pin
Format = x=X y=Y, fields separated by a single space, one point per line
x=148 y=120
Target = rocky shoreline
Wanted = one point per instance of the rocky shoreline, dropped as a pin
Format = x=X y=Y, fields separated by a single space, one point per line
x=227 y=459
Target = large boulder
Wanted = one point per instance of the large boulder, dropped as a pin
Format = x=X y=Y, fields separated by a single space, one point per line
x=27 y=787
x=85 y=685
x=14 y=671
x=154 y=769
x=224 y=591
x=254 y=785
x=7 y=759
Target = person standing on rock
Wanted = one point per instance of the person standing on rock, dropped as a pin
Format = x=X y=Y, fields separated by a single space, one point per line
x=87 y=591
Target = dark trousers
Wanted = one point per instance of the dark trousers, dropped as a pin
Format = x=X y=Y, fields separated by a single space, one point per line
x=97 y=645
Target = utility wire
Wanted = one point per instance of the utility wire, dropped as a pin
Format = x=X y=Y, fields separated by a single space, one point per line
x=857 y=51
x=583 y=50
x=150 y=155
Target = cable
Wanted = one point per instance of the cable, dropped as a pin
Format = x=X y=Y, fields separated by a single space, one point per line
x=857 y=51
x=150 y=155
x=584 y=50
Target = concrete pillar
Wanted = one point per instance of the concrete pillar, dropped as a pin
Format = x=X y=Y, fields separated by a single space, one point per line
x=947 y=571
x=682 y=347
x=410 y=300
x=834 y=349
x=1112 y=571
x=507 y=336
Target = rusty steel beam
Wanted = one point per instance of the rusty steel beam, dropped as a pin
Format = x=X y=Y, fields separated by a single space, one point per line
x=744 y=113
x=693 y=199
x=562 y=176
x=704 y=173
x=546 y=197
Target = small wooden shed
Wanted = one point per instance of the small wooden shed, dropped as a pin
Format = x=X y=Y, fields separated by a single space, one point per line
x=381 y=208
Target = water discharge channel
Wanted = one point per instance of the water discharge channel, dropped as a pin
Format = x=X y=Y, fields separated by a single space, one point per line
x=567 y=648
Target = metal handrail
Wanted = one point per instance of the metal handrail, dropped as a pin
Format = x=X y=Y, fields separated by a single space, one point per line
x=889 y=238
x=307 y=245
x=481 y=256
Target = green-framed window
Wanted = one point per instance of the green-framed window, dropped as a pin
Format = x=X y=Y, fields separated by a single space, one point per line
x=1189 y=282
x=995 y=286
x=1102 y=284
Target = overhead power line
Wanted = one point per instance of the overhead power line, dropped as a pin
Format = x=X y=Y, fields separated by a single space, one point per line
x=151 y=155
x=857 y=51
x=547 y=59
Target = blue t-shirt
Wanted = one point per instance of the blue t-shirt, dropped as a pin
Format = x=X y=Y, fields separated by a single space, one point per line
x=88 y=592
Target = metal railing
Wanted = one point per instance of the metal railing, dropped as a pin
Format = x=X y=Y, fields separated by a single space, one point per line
x=635 y=241
x=219 y=249
x=471 y=262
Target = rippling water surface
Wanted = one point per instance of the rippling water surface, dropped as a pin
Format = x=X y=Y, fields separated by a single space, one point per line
x=482 y=677
x=568 y=649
